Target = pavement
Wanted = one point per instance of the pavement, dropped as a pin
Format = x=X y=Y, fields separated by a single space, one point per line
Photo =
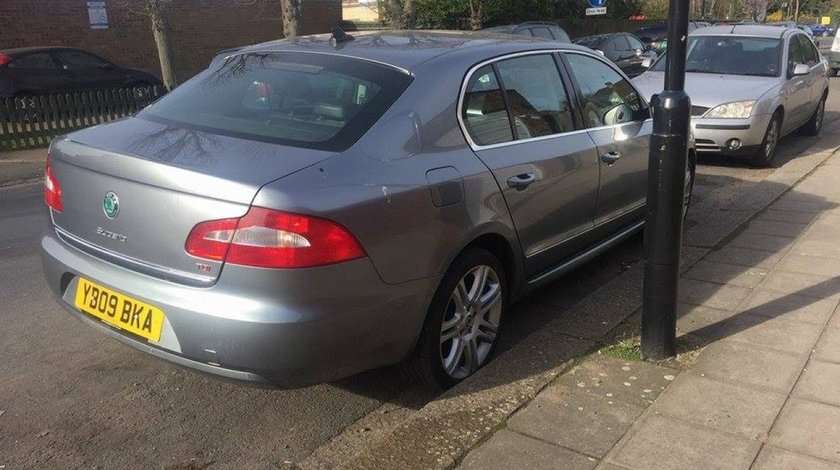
x=72 y=398
x=763 y=390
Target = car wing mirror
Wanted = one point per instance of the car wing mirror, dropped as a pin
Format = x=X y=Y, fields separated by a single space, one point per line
x=647 y=62
x=801 y=69
x=639 y=52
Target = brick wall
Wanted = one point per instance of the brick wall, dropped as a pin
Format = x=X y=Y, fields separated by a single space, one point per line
x=200 y=28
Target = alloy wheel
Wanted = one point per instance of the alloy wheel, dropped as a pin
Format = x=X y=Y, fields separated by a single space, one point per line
x=772 y=138
x=471 y=322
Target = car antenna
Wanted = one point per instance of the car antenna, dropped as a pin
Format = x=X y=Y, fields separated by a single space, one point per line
x=339 y=36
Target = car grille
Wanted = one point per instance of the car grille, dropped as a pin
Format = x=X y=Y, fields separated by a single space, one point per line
x=698 y=110
x=706 y=145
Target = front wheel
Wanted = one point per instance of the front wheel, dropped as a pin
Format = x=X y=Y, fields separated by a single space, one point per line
x=463 y=323
x=813 y=126
x=767 y=151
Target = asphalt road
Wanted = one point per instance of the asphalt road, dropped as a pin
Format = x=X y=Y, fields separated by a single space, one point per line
x=71 y=398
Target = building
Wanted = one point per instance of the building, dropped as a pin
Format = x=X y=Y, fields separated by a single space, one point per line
x=362 y=11
x=120 y=30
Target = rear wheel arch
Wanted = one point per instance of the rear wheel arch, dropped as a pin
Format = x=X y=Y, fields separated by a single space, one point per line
x=501 y=248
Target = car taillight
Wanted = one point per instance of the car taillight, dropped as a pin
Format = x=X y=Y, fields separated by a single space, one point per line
x=4 y=59
x=52 y=188
x=273 y=239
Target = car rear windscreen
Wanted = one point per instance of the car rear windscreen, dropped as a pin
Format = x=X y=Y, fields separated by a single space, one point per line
x=317 y=101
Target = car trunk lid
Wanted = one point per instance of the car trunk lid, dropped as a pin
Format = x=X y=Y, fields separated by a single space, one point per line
x=133 y=189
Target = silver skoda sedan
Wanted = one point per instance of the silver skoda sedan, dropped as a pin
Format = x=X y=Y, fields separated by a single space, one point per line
x=305 y=210
x=749 y=86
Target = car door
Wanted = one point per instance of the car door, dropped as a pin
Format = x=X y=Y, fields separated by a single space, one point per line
x=35 y=72
x=618 y=122
x=85 y=71
x=521 y=122
x=797 y=90
x=816 y=76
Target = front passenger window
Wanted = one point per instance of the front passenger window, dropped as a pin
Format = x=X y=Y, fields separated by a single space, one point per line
x=606 y=97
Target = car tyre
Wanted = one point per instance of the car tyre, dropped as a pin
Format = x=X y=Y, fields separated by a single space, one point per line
x=690 y=174
x=813 y=126
x=463 y=323
x=767 y=151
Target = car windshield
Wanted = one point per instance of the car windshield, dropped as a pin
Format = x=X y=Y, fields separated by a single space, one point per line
x=590 y=41
x=298 y=99
x=731 y=55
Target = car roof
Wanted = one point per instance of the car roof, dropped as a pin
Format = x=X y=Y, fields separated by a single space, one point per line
x=26 y=50
x=756 y=30
x=407 y=50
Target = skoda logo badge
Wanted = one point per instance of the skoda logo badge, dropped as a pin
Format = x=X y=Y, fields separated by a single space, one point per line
x=111 y=205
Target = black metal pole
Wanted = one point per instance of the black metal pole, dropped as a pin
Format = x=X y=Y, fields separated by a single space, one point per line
x=666 y=182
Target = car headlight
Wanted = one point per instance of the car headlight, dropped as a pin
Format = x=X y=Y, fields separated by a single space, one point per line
x=735 y=110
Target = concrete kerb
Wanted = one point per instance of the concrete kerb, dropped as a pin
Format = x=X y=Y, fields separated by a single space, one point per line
x=440 y=434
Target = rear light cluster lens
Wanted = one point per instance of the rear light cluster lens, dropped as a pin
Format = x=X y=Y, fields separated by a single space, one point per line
x=5 y=59
x=273 y=239
x=52 y=188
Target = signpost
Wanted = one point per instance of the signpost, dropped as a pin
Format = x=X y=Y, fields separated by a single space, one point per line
x=666 y=184
x=596 y=11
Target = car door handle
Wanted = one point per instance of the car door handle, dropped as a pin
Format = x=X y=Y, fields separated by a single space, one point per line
x=610 y=157
x=520 y=182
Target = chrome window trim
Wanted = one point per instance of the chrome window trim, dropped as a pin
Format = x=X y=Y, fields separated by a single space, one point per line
x=476 y=147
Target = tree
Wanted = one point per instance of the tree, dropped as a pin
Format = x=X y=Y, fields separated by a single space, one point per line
x=400 y=14
x=159 y=12
x=291 y=17
x=476 y=14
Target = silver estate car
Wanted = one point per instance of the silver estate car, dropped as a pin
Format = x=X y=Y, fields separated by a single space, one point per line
x=749 y=86
x=308 y=209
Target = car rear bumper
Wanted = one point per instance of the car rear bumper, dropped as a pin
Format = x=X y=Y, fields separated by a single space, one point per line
x=715 y=136
x=289 y=328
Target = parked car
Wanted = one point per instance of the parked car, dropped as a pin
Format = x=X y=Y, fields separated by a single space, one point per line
x=749 y=86
x=624 y=49
x=832 y=56
x=537 y=29
x=822 y=30
x=300 y=212
x=791 y=24
x=656 y=36
x=31 y=71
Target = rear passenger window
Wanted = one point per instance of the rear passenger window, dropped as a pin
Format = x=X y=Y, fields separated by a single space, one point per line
x=483 y=111
x=606 y=97
x=536 y=96
x=39 y=61
x=542 y=32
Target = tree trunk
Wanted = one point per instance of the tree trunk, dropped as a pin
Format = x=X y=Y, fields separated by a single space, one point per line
x=476 y=14
x=291 y=17
x=409 y=15
x=159 y=12
x=796 y=12
x=401 y=14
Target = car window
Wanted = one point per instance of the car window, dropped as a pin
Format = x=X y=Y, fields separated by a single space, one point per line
x=795 y=55
x=542 y=32
x=72 y=60
x=621 y=43
x=536 y=96
x=296 y=99
x=483 y=110
x=37 y=61
x=525 y=32
x=635 y=44
x=809 y=53
x=560 y=34
x=606 y=97
x=731 y=55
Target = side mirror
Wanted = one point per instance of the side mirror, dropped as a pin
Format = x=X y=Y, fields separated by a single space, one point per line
x=647 y=62
x=639 y=52
x=801 y=69
x=599 y=51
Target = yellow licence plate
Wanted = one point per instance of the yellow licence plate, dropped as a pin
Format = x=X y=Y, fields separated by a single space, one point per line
x=119 y=310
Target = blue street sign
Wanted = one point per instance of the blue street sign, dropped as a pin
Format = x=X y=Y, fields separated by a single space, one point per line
x=597 y=3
